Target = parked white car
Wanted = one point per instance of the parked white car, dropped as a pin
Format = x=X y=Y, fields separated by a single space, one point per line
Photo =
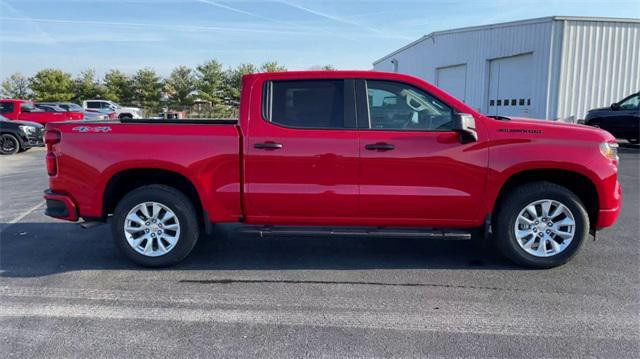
x=104 y=105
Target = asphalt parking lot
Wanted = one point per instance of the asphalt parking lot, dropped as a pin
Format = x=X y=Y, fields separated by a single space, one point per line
x=66 y=292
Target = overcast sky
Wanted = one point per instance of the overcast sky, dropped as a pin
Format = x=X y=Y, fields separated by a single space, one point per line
x=162 y=34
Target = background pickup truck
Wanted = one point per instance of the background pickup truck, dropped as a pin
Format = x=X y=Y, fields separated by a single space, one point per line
x=23 y=110
x=105 y=106
x=343 y=153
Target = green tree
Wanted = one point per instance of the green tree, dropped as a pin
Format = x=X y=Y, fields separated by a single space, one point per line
x=86 y=86
x=179 y=86
x=272 y=66
x=16 y=86
x=148 y=88
x=210 y=82
x=52 y=85
x=118 y=87
x=328 y=68
x=233 y=80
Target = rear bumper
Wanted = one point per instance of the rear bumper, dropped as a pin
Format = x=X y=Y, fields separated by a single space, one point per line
x=60 y=206
x=607 y=216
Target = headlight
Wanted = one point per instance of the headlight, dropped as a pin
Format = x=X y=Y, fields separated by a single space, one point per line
x=609 y=150
x=27 y=129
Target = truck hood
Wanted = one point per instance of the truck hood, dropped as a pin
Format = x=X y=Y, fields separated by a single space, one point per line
x=529 y=128
x=608 y=108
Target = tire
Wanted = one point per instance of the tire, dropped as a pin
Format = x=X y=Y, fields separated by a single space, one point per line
x=514 y=206
x=9 y=144
x=24 y=149
x=125 y=116
x=170 y=207
x=633 y=141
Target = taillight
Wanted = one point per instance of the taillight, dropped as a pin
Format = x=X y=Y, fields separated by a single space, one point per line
x=52 y=164
x=52 y=137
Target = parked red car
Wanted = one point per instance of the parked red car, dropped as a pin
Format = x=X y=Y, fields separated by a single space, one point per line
x=24 y=110
x=340 y=153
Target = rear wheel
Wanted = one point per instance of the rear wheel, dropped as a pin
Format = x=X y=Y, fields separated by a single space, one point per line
x=155 y=226
x=541 y=225
x=9 y=144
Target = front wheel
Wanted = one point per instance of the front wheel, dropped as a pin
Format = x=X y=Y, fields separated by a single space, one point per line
x=541 y=225
x=9 y=144
x=155 y=226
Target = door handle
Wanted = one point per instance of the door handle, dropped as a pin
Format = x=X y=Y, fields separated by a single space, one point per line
x=380 y=146
x=268 y=146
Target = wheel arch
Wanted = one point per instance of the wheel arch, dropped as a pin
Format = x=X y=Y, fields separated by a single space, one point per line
x=576 y=182
x=127 y=180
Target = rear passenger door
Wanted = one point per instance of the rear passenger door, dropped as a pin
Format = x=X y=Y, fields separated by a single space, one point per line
x=301 y=164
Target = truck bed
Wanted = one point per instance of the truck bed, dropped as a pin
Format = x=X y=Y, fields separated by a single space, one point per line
x=92 y=154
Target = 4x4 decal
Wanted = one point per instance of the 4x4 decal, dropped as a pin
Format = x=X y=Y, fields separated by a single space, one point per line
x=84 y=129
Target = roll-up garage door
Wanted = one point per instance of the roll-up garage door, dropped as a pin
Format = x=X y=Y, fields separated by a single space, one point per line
x=510 y=86
x=453 y=80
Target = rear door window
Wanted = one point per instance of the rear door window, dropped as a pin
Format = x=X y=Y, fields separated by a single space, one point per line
x=316 y=104
x=6 y=107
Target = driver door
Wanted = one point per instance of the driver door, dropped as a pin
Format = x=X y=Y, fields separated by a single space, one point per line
x=413 y=169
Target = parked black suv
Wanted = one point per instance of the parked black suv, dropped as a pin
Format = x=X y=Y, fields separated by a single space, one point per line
x=621 y=119
x=19 y=136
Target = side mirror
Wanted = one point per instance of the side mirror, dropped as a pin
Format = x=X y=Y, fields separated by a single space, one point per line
x=465 y=125
x=615 y=106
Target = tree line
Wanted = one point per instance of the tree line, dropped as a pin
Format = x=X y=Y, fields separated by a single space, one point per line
x=209 y=82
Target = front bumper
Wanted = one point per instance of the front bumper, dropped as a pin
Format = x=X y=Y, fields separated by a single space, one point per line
x=607 y=216
x=60 y=206
x=32 y=139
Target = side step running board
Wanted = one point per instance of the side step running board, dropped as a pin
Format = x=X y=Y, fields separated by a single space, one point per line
x=425 y=233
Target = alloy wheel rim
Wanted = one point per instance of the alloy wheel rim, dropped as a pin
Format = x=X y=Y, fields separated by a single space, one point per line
x=8 y=144
x=152 y=229
x=545 y=228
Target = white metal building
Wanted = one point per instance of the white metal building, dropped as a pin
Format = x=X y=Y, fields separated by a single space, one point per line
x=553 y=67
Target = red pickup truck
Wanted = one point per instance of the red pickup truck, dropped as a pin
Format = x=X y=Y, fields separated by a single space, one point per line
x=338 y=153
x=24 y=110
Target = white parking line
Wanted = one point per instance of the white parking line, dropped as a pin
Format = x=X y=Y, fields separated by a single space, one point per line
x=28 y=212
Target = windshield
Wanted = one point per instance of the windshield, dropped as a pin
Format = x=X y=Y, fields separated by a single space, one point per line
x=631 y=102
x=29 y=107
x=74 y=107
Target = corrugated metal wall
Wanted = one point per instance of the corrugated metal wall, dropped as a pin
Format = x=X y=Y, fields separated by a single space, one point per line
x=600 y=65
x=577 y=64
x=475 y=48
